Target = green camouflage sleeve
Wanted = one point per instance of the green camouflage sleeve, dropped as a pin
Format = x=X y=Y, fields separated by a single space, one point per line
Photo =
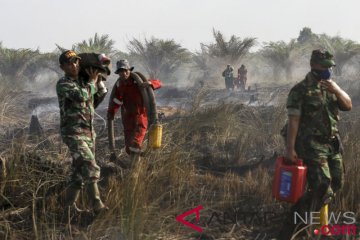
x=73 y=92
x=294 y=102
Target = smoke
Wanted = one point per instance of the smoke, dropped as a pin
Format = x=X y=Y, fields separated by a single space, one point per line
x=45 y=109
x=44 y=83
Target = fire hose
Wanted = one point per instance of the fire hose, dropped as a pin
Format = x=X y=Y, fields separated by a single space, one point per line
x=149 y=103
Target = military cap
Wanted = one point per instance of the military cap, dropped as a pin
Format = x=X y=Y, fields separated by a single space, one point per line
x=68 y=56
x=324 y=58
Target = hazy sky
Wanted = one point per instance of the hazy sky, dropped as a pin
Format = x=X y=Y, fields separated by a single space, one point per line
x=41 y=23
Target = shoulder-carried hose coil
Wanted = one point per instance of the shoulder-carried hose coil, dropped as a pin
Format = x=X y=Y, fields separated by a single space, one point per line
x=155 y=130
x=152 y=112
x=144 y=94
x=148 y=96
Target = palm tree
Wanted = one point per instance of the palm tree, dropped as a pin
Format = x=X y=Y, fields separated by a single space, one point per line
x=202 y=62
x=344 y=50
x=232 y=50
x=307 y=36
x=160 y=58
x=49 y=61
x=98 y=44
x=279 y=56
x=14 y=62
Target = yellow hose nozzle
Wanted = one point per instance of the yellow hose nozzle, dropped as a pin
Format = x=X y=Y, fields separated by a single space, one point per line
x=324 y=215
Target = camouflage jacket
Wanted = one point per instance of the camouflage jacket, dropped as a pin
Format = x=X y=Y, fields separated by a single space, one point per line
x=317 y=108
x=76 y=102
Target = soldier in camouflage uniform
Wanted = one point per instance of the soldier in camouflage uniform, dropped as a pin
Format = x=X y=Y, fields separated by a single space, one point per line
x=312 y=135
x=228 y=74
x=77 y=98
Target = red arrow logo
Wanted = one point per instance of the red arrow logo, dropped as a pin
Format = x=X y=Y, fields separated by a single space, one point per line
x=181 y=217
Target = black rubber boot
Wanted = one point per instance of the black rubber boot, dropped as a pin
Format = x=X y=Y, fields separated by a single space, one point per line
x=94 y=196
x=71 y=195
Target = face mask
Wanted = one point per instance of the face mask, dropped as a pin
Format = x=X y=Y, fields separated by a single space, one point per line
x=326 y=74
x=322 y=74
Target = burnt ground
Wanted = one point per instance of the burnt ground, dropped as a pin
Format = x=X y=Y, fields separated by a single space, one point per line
x=249 y=218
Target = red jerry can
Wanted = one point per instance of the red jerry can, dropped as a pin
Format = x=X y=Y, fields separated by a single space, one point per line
x=289 y=180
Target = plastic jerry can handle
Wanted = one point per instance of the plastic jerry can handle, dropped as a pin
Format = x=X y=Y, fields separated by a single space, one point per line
x=299 y=162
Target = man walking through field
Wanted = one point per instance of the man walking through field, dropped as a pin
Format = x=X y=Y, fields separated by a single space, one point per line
x=126 y=96
x=313 y=112
x=77 y=97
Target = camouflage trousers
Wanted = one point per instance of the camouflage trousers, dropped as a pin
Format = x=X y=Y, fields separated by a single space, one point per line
x=84 y=167
x=325 y=174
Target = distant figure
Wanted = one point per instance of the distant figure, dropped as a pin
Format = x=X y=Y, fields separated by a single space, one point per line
x=228 y=74
x=242 y=77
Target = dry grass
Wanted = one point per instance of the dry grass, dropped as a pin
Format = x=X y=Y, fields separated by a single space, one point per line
x=11 y=107
x=191 y=169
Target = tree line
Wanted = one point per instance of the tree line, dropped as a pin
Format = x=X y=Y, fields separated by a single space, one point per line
x=161 y=58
